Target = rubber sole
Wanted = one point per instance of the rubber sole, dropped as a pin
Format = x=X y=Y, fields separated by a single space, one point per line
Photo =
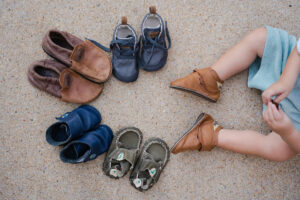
x=149 y=69
x=199 y=119
x=193 y=92
x=125 y=80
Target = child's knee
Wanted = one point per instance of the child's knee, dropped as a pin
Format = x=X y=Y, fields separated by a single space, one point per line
x=280 y=152
x=257 y=39
x=258 y=35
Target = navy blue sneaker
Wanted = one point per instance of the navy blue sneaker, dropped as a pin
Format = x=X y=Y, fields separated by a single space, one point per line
x=154 y=51
x=125 y=47
x=88 y=147
x=72 y=125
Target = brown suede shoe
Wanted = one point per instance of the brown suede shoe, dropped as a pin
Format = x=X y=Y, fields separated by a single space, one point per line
x=44 y=75
x=202 y=136
x=54 y=78
x=202 y=82
x=91 y=62
x=59 y=45
x=77 y=89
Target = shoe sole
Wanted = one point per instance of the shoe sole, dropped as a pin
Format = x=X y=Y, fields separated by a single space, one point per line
x=148 y=69
x=126 y=80
x=151 y=69
x=194 y=92
x=200 y=118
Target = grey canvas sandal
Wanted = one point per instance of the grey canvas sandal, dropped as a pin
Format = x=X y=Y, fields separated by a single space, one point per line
x=123 y=152
x=154 y=157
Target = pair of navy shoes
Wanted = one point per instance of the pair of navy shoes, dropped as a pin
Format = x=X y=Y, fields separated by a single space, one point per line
x=129 y=53
x=81 y=133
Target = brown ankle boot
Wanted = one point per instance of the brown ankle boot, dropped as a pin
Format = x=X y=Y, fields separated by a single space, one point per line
x=203 y=136
x=203 y=82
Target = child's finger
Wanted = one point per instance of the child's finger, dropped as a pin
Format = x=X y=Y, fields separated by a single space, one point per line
x=265 y=115
x=275 y=112
x=270 y=113
x=279 y=98
x=281 y=112
x=266 y=97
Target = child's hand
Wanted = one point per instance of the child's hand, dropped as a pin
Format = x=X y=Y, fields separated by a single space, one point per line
x=277 y=120
x=278 y=89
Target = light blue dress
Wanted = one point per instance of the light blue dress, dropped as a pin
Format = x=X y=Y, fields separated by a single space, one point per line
x=267 y=70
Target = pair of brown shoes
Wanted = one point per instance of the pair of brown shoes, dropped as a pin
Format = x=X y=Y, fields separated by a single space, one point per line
x=203 y=135
x=77 y=74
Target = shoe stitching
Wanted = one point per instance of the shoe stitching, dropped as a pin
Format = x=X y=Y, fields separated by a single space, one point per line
x=201 y=81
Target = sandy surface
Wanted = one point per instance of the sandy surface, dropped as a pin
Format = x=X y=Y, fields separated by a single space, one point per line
x=201 y=31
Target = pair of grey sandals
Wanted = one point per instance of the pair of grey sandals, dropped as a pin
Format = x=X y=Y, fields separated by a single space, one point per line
x=124 y=154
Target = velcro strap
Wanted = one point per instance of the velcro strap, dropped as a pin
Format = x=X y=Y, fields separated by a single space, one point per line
x=124 y=154
x=149 y=164
x=150 y=167
x=147 y=172
x=62 y=116
x=143 y=183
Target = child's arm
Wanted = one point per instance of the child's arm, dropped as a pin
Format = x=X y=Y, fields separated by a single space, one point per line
x=284 y=86
x=281 y=124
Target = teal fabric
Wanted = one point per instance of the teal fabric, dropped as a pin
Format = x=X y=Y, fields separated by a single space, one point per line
x=267 y=70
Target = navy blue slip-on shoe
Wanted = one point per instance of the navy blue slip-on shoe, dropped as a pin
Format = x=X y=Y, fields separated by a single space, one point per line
x=154 y=51
x=87 y=147
x=125 y=47
x=72 y=125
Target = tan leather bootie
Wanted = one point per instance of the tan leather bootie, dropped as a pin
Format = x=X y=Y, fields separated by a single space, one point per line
x=202 y=136
x=202 y=82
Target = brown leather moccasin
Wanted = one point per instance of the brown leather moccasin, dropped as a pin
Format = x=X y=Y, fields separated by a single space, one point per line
x=77 y=89
x=60 y=45
x=202 y=136
x=44 y=74
x=57 y=80
x=91 y=62
x=202 y=82
x=83 y=57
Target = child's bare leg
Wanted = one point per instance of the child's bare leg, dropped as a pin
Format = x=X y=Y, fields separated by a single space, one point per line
x=242 y=54
x=270 y=147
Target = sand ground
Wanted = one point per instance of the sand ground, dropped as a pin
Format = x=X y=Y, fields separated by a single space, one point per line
x=201 y=31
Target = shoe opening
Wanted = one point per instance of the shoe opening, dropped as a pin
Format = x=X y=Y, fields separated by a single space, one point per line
x=58 y=39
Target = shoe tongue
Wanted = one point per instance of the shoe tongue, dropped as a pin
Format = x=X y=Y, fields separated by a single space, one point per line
x=128 y=38
x=65 y=128
x=152 y=32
